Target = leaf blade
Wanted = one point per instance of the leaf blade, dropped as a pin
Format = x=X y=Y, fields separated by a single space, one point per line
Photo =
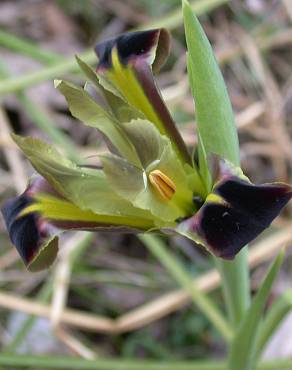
x=243 y=349
x=213 y=108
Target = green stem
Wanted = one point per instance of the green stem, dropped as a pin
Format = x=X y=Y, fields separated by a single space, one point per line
x=73 y=363
x=203 y=302
x=235 y=284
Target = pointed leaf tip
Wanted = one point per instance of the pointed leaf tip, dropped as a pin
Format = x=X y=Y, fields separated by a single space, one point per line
x=214 y=114
x=57 y=83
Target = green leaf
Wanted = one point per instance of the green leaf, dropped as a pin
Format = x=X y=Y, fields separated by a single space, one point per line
x=214 y=114
x=87 y=188
x=83 y=107
x=243 y=348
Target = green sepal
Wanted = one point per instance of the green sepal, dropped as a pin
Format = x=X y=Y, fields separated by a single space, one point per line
x=156 y=153
x=67 y=215
x=147 y=140
x=83 y=107
x=120 y=108
x=45 y=256
x=85 y=187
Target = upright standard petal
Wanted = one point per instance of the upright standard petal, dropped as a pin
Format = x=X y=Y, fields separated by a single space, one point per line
x=125 y=66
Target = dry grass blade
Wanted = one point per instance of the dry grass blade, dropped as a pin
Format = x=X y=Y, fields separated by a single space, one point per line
x=274 y=106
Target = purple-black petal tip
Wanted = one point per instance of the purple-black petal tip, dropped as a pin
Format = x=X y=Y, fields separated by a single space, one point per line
x=133 y=45
x=23 y=231
x=30 y=234
x=242 y=213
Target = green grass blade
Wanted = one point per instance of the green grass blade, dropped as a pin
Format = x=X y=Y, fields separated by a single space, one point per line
x=175 y=269
x=42 y=120
x=275 y=315
x=174 y=18
x=23 y=46
x=243 y=348
x=51 y=72
x=75 y=363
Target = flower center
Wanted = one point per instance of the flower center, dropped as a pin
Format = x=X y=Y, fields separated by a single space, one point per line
x=162 y=183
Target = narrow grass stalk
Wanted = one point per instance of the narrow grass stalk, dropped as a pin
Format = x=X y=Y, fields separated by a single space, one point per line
x=174 y=18
x=61 y=66
x=28 y=48
x=49 y=73
x=275 y=315
x=41 y=119
x=73 y=363
x=157 y=247
x=42 y=297
x=242 y=354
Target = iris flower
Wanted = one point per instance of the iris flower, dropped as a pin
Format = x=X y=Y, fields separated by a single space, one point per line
x=148 y=181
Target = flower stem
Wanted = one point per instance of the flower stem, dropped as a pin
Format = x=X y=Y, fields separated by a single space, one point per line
x=203 y=302
x=235 y=284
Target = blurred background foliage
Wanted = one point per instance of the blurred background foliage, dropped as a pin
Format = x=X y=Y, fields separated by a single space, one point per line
x=111 y=275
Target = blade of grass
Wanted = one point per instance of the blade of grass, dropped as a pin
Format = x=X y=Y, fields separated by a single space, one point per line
x=170 y=21
x=28 y=48
x=242 y=354
x=42 y=120
x=175 y=269
x=218 y=134
x=49 y=73
x=174 y=18
x=58 y=69
x=48 y=362
x=42 y=297
x=73 y=363
x=275 y=315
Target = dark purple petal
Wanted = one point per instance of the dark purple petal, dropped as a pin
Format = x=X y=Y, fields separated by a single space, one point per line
x=35 y=235
x=135 y=44
x=139 y=54
x=30 y=234
x=240 y=214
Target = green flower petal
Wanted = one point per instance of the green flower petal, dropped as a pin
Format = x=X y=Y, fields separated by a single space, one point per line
x=148 y=142
x=87 y=188
x=156 y=153
x=125 y=65
x=83 y=107
x=119 y=107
